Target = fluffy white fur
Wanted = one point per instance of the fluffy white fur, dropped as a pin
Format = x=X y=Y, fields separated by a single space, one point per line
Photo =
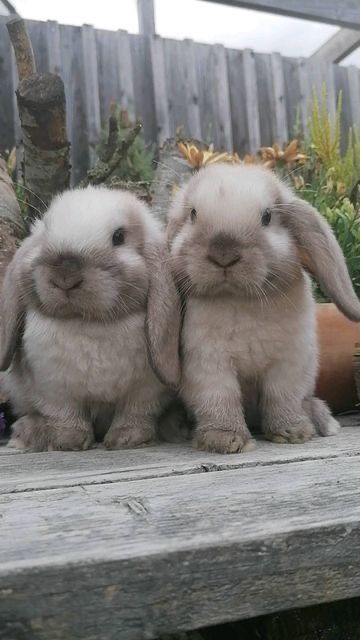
x=69 y=372
x=249 y=334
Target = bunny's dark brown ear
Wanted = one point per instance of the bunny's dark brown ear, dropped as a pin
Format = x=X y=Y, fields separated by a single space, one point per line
x=13 y=301
x=163 y=321
x=321 y=255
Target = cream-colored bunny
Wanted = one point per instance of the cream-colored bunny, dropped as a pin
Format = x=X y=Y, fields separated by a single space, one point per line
x=240 y=241
x=90 y=324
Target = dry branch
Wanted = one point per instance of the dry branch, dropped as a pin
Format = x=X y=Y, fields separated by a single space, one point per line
x=103 y=170
x=42 y=110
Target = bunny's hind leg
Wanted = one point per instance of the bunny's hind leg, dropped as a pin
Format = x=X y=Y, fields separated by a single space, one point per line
x=320 y=415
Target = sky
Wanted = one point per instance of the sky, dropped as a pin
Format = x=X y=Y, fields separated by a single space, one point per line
x=201 y=21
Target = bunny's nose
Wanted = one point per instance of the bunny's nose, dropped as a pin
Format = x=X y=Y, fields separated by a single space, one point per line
x=66 y=274
x=224 y=251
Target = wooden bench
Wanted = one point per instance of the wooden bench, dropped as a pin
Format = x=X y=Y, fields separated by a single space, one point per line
x=129 y=545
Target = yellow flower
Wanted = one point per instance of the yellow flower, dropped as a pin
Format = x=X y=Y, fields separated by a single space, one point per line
x=271 y=155
x=198 y=158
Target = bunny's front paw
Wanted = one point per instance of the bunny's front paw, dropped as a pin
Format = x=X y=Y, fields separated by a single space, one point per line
x=291 y=432
x=217 y=440
x=34 y=432
x=128 y=436
x=29 y=433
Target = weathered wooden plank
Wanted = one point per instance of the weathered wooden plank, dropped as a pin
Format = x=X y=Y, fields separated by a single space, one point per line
x=108 y=72
x=176 y=90
x=321 y=75
x=305 y=92
x=281 y=135
x=220 y=81
x=39 y=41
x=91 y=80
x=143 y=84
x=7 y=92
x=344 y=14
x=124 y=66
x=338 y=47
x=293 y=97
x=252 y=102
x=53 y=47
x=160 y=88
x=214 y=97
x=354 y=94
x=266 y=100
x=139 y=559
x=182 y=88
x=73 y=76
x=146 y=17
x=342 y=84
x=238 y=101
x=191 y=88
x=36 y=471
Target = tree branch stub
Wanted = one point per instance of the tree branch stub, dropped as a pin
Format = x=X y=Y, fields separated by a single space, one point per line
x=25 y=60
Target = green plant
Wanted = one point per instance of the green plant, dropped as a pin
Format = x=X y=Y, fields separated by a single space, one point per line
x=137 y=166
x=324 y=145
x=329 y=180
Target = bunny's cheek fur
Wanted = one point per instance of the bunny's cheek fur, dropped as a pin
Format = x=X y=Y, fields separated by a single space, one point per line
x=229 y=345
x=74 y=362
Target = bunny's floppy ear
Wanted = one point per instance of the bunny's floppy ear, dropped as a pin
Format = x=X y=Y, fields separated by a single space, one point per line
x=13 y=301
x=321 y=255
x=163 y=321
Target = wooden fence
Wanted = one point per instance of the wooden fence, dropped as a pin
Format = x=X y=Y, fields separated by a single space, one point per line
x=235 y=99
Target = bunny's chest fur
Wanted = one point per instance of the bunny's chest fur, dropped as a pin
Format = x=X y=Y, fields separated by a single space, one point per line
x=244 y=336
x=84 y=360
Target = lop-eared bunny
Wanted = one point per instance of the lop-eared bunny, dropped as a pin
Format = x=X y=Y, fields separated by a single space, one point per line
x=240 y=241
x=90 y=323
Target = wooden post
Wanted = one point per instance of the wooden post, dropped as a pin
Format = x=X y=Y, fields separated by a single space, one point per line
x=41 y=104
x=146 y=17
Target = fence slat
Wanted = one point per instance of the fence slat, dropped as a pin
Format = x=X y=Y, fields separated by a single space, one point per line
x=320 y=75
x=279 y=107
x=108 y=75
x=38 y=36
x=222 y=112
x=342 y=84
x=73 y=76
x=354 y=94
x=292 y=97
x=214 y=95
x=160 y=89
x=191 y=88
x=143 y=84
x=53 y=47
x=238 y=101
x=92 y=103
x=265 y=98
x=175 y=85
x=305 y=92
x=124 y=65
x=252 y=103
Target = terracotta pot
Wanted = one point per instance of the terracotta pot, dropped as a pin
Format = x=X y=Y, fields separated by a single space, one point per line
x=337 y=337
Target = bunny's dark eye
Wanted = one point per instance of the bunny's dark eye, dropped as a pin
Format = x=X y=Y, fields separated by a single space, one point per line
x=193 y=215
x=266 y=217
x=118 y=237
